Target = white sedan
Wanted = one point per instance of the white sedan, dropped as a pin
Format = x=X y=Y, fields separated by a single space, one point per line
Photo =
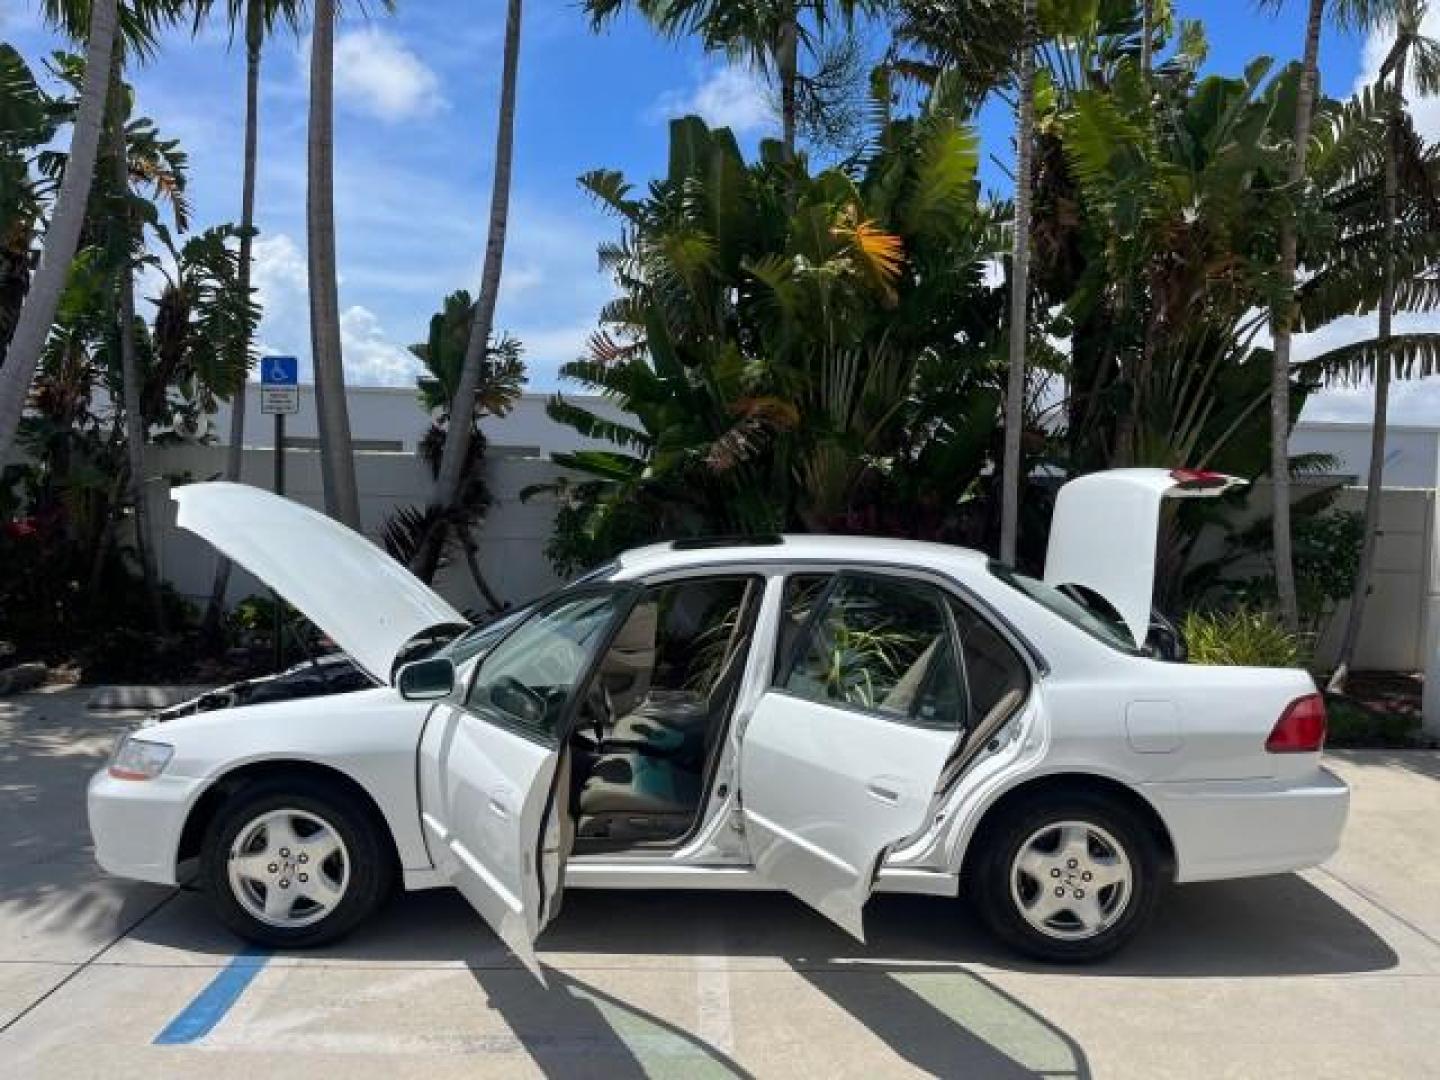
x=826 y=715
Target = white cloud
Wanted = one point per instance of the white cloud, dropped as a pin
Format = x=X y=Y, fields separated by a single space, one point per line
x=730 y=96
x=375 y=74
x=371 y=358
x=281 y=279
x=1425 y=110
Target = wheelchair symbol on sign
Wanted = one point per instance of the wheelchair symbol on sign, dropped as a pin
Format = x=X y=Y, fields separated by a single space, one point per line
x=279 y=371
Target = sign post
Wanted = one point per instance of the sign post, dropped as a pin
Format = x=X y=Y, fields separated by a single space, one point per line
x=279 y=397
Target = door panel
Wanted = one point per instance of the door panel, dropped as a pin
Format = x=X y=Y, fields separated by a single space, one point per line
x=826 y=790
x=483 y=791
x=487 y=765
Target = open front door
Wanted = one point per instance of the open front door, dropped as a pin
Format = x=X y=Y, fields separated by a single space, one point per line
x=493 y=812
x=1105 y=531
x=840 y=761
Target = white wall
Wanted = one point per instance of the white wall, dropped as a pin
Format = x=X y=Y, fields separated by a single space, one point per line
x=1411 y=453
x=392 y=415
x=1393 y=634
x=511 y=542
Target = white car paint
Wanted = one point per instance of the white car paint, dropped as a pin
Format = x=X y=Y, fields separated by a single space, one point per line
x=814 y=816
x=1103 y=535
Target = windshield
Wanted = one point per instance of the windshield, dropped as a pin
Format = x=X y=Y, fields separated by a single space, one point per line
x=1099 y=625
x=481 y=639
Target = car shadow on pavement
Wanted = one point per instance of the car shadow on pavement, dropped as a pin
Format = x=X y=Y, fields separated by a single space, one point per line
x=925 y=982
x=571 y=1028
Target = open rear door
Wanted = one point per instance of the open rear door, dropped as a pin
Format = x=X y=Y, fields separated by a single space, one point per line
x=1106 y=528
x=827 y=791
x=490 y=801
x=842 y=761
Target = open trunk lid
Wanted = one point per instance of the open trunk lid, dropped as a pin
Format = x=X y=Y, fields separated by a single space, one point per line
x=1106 y=529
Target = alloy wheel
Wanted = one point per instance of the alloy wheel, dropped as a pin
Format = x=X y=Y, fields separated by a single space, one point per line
x=289 y=868
x=1071 y=880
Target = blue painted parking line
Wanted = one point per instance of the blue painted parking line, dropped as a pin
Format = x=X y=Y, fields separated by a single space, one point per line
x=209 y=1007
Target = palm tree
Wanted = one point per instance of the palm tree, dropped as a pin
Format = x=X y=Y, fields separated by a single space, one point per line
x=1011 y=479
x=450 y=477
x=131 y=385
x=444 y=354
x=1350 y=13
x=768 y=34
x=337 y=454
x=260 y=17
x=63 y=235
x=1409 y=43
x=29 y=119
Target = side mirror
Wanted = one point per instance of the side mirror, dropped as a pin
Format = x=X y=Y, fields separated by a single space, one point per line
x=426 y=680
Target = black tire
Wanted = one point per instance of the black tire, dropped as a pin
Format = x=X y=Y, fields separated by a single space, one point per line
x=370 y=859
x=990 y=887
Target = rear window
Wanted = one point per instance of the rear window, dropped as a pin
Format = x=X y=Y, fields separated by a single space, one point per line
x=1103 y=626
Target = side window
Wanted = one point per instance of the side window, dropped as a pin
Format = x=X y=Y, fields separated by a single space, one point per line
x=995 y=675
x=883 y=644
x=527 y=679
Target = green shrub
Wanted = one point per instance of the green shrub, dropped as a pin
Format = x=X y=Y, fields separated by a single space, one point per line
x=1245 y=637
x=1353 y=724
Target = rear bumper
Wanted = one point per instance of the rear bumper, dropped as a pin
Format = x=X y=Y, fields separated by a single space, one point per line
x=136 y=824
x=1245 y=828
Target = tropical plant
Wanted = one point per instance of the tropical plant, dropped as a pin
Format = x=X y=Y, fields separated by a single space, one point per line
x=29 y=119
x=455 y=458
x=63 y=234
x=66 y=560
x=789 y=350
x=259 y=18
x=1403 y=149
x=1010 y=482
x=1244 y=637
x=445 y=355
x=1283 y=312
x=767 y=35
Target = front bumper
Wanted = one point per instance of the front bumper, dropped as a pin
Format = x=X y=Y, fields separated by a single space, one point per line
x=136 y=824
x=1246 y=828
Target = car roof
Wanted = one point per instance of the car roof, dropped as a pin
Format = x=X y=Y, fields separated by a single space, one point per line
x=657 y=558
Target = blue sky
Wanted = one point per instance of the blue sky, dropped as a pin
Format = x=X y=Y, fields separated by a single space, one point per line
x=416 y=94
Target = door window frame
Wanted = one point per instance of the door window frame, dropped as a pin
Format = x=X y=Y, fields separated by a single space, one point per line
x=781 y=675
x=629 y=593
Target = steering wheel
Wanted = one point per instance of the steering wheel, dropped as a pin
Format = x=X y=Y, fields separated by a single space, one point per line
x=514 y=697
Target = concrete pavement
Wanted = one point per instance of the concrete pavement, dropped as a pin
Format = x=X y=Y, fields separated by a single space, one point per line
x=1328 y=973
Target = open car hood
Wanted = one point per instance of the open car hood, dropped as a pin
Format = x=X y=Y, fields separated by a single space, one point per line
x=1106 y=529
x=361 y=598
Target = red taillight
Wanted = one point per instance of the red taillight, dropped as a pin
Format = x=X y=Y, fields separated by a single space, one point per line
x=1301 y=727
x=1198 y=479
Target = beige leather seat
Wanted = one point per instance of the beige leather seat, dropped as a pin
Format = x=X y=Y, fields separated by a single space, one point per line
x=670 y=721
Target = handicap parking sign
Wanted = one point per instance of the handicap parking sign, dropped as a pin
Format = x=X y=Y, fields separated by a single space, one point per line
x=279 y=385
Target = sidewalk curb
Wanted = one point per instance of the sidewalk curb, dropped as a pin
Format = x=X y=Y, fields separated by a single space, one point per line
x=141 y=697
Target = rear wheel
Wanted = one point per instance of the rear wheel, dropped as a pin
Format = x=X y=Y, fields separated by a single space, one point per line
x=294 y=863
x=1067 y=878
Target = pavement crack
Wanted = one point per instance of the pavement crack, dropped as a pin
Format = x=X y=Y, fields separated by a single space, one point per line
x=90 y=960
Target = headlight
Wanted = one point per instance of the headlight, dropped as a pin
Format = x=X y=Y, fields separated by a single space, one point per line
x=136 y=759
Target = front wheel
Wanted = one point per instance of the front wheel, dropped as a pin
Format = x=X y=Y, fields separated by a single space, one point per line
x=292 y=864
x=1067 y=878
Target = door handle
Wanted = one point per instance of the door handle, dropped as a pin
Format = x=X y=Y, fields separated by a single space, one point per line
x=883 y=792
